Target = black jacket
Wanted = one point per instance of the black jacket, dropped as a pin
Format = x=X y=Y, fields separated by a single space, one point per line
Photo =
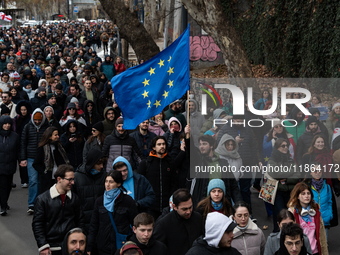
x=91 y=119
x=95 y=97
x=52 y=220
x=153 y=247
x=162 y=175
x=38 y=102
x=201 y=247
x=80 y=98
x=101 y=229
x=176 y=233
x=9 y=144
x=31 y=136
x=140 y=141
x=89 y=187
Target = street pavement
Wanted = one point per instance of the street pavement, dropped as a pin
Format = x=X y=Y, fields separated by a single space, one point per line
x=16 y=236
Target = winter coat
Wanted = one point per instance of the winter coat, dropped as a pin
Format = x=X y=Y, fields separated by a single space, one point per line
x=73 y=150
x=88 y=187
x=95 y=97
x=121 y=145
x=330 y=125
x=201 y=247
x=101 y=230
x=182 y=162
x=52 y=220
x=273 y=243
x=248 y=148
x=9 y=144
x=251 y=241
x=196 y=120
x=139 y=138
x=109 y=126
x=260 y=104
x=142 y=189
x=207 y=125
x=89 y=146
x=279 y=159
x=154 y=247
x=304 y=142
x=119 y=68
x=324 y=200
x=108 y=68
x=155 y=128
x=31 y=136
x=81 y=100
x=11 y=106
x=93 y=118
x=19 y=121
x=173 y=138
x=170 y=113
x=161 y=173
x=38 y=102
x=177 y=233
x=298 y=130
x=319 y=231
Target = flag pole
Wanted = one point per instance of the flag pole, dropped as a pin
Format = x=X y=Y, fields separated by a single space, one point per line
x=188 y=123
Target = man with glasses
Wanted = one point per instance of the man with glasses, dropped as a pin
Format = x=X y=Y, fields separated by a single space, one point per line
x=291 y=240
x=7 y=100
x=57 y=211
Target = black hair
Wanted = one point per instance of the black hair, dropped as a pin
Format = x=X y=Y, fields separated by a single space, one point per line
x=240 y=204
x=117 y=177
x=59 y=86
x=207 y=138
x=181 y=195
x=76 y=86
x=291 y=229
x=285 y=214
x=62 y=170
x=155 y=139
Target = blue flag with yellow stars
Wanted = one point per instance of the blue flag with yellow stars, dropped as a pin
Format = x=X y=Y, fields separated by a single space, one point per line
x=143 y=91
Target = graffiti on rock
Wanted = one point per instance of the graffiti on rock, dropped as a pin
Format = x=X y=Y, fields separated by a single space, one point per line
x=203 y=48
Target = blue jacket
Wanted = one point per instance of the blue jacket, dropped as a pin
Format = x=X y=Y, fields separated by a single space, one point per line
x=324 y=199
x=261 y=103
x=108 y=68
x=143 y=191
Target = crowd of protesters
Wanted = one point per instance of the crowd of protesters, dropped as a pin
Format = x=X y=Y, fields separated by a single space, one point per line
x=96 y=188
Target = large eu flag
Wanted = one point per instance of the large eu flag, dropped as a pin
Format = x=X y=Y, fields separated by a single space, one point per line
x=143 y=91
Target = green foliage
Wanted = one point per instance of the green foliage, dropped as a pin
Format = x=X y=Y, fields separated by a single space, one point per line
x=293 y=38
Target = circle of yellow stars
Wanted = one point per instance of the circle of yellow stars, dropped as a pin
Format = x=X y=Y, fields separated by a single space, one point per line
x=146 y=83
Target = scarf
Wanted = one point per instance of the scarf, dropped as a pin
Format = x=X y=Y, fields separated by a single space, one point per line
x=48 y=161
x=243 y=228
x=317 y=184
x=110 y=198
x=222 y=150
x=279 y=156
x=307 y=218
x=217 y=206
x=325 y=159
x=94 y=171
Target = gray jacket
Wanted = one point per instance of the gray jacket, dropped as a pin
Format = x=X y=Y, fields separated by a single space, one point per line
x=196 y=120
x=273 y=244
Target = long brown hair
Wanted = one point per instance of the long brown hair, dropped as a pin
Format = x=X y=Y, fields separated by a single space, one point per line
x=45 y=139
x=311 y=148
x=332 y=116
x=206 y=205
x=294 y=195
x=100 y=137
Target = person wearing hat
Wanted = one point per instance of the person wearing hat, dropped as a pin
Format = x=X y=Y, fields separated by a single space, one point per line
x=175 y=111
x=39 y=99
x=89 y=180
x=119 y=143
x=95 y=141
x=130 y=248
x=3 y=62
x=297 y=127
x=217 y=238
x=31 y=135
x=215 y=200
x=181 y=227
x=75 y=92
x=305 y=140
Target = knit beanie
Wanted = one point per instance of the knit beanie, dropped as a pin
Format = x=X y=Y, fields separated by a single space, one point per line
x=71 y=105
x=74 y=100
x=310 y=120
x=119 y=121
x=215 y=183
x=335 y=105
x=99 y=126
x=50 y=95
x=49 y=107
x=40 y=89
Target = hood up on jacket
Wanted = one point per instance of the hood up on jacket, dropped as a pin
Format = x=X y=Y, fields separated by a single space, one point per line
x=94 y=108
x=217 y=113
x=175 y=119
x=128 y=183
x=67 y=126
x=196 y=105
x=222 y=150
x=93 y=157
x=64 y=250
x=110 y=108
x=43 y=120
x=215 y=227
x=26 y=104
x=41 y=81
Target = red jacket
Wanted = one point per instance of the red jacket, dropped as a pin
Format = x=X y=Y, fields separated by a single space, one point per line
x=119 y=68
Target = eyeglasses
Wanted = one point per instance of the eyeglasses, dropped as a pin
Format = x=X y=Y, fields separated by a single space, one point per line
x=72 y=109
x=284 y=146
x=279 y=126
x=296 y=94
x=4 y=97
x=69 y=179
x=90 y=105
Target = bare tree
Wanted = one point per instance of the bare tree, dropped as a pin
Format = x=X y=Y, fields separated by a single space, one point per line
x=210 y=16
x=130 y=28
